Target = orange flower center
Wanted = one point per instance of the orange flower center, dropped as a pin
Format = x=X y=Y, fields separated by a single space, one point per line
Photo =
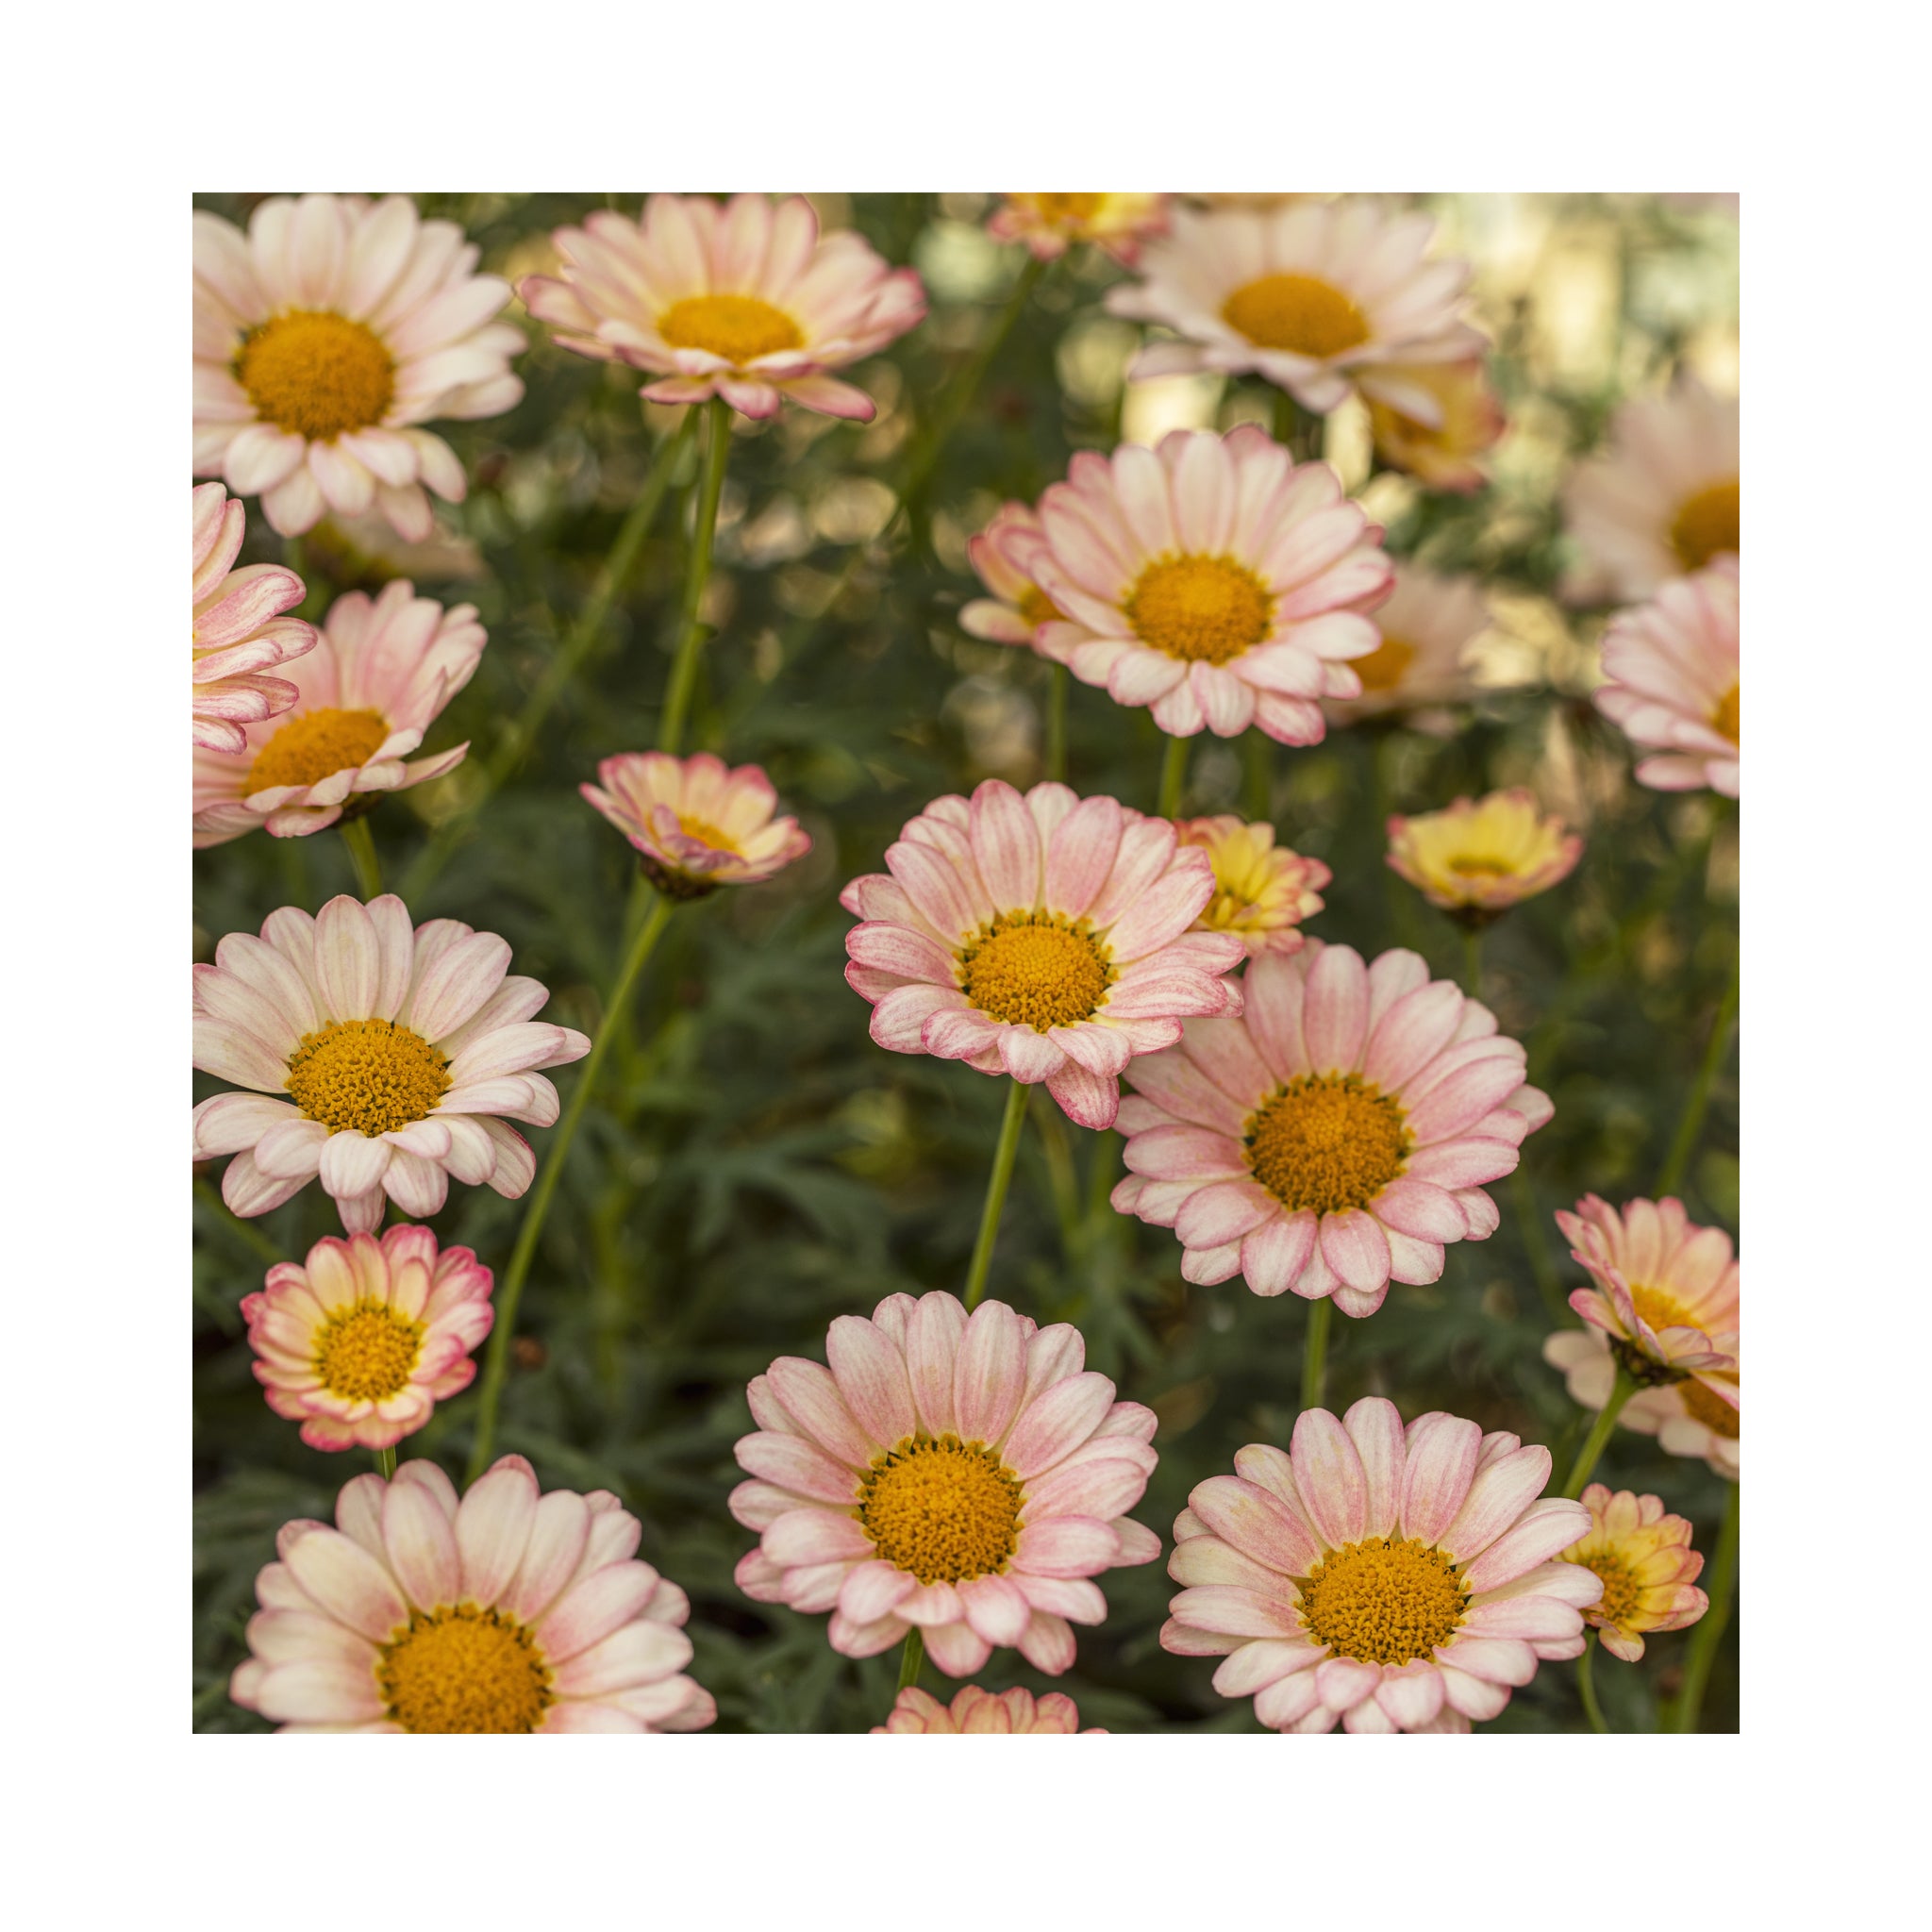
x=1326 y=1142
x=739 y=328
x=1724 y=720
x=1037 y=607
x=1661 y=1310
x=459 y=1668
x=1705 y=525
x=1706 y=1405
x=316 y=746
x=370 y=1074
x=1622 y=1594
x=1473 y=865
x=367 y=1353
x=1385 y=1600
x=316 y=374
x=1202 y=609
x=1296 y=313
x=1031 y=968
x=703 y=829
x=1383 y=668
x=944 y=1509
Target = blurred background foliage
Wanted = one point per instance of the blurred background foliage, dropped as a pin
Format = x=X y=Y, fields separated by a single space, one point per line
x=753 y=1165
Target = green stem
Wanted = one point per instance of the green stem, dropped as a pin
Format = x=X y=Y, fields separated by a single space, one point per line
x=1300 y=430
x=1671 y=1175
x=1257 y=778
x=685 y=670
x=1173 y=776
x=1709 y=1629
x=1315 y=1352
x=496 y=1363
x=1473 y=960
x=361 y=843
x=996 y=1192
x=1586 y=1688
x=385 y=1463
x=1057 y=724
x=1051 y=1124
x=1621 y=1393
x=912 y=1657
x=240 y=1229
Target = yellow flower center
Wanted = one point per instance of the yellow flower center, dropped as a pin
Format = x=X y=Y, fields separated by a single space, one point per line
x=1383 y=1599
x=706 y=830
x=370 y=1074
x=1326 y=1142
x=1037 y=607
x=1199 y=609
x=1483 y=865
x=739 y=328
x=1709 y=1407
x=1705 y=525
x=316 y=374
x=1302 y=313
x=1070 y=208
x=1031 y=968
x=459 y=1668
x=1724 y=720
x=367 y=1353
x=1661 y=1310
x=944 y=1509
x=314 y=746
x=1622 y=1594
x=1383 y=668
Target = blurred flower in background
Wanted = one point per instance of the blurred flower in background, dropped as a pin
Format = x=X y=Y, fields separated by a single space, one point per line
x=696 y=825
x=1001 y=555
x=1673 y=666
x=978 y=1713
x=1050 y=223
x=1439 y=449
x=1478 y=857
x=1262 y=890
x=1422 y=663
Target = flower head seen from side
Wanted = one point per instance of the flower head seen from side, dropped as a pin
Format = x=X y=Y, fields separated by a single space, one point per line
x=1320 y=298
x=383 y=1057
x=1002 y=555
x=1212 y=578
x=1043 y=936
x=507 y=1612
x=974 y=1713
x=1672 y=671
x=1262 y=890
x=742 y=300
x=359 y=1343
x=1663 y=500
x=696 y=825
x=957 y=1474
x=1696 y=1418
x=239 y=629
x=1051 y=224
x=1333 y=1138
x=1390 y=1578
x=324 y=338
x=1420 y=664
x=1438 y=451
x=381 y=676
x=1643 y=1558
x=1476 y=859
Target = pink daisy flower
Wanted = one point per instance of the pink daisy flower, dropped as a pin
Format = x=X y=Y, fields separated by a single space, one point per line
x=240 y=630
x=1422 y=663
x=1262 y=890
x=381 y=677
x=695 y=824
x=1212 y=580
x=1695 y=1417
x=395 y=1053
x=1477 y=857
x=509 y=1611
x=739 y=299
x=1673 y=671
x=1642 y=1556
x=958 y=1473
x=1396 y=1579
x=976 y=1712
x=1336 y=1136
x=324 y=338
x=362 y=1342
x=1051 y=224
x=1666 y=1289
x=1001 y=554
x=1044 y=936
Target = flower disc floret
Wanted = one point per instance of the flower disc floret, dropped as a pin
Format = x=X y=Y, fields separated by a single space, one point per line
x=1383 y=1599
x=1034 y=970
x=1705 y=525
x=460 y=1669
x=368 y=1353
x=944 y=1510
x=1326 y=1144
x=1200 y=609
x=369 y=1074
x=316 y=374
x=1302 y=313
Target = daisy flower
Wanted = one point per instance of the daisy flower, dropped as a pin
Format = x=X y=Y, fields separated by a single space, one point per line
x=1695 y=1417
x=1673 y=671
x=1319 y=299
x=696 y=825
x=956 y=1474
x=362 y=1342
x=1050 y=223
x=1427 y=627
x=919 y=1714
x=1212 y=579
x=507 y=1612
x=739 y=299
x=1397 y=1580
x=382 y=675
x=1438 y=449
x=395 y=1054
x=1001 y=554
x=1043 y=936
x=238 y=628
x=1262 y=892
x=1336 y=1136
x=1648 y=1570
x=324 y=338
x=1663 y=502
x=1477 y=859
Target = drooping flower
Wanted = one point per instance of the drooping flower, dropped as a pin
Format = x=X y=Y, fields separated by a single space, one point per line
x=1663 y=502
x=1212 y=578
x=696 y=825
x=739 y=299
x=1043 y=936
x=1648 y=1570
x=1001 y=554
x=1319 y=298
x=1672 y=671
x=1396 y=1579
x=1478 y=857
x=240 y=630
x=1420 y=664
x=362 y=1342
x=383 y=674
x=324 y=338
x=1695 y=1417
x=394 y=1054
x=974 y=1712
x=1262 y=890
x=1438 y=450
x=1336 y=1136
x=507 y=1612
x=1050 y=223
x=955 y=1472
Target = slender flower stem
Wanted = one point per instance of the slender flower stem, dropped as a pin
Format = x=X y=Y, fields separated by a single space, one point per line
x=1051 y=1125
x=1257 y=778
x=1057 y=724
x=1173 y=774
x=996 y=1191
x=242 y=1230
x=1473 y=960
x=1315 y=1352
x=912 y=1657
x=385 y=1463
x=685 y=670
x=496 y=1363
x=1691 y=1121
x=1621 y=1393
x=361 y=843
x=1708 y=1631
x=1300 y=430
x=1586 y=1688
